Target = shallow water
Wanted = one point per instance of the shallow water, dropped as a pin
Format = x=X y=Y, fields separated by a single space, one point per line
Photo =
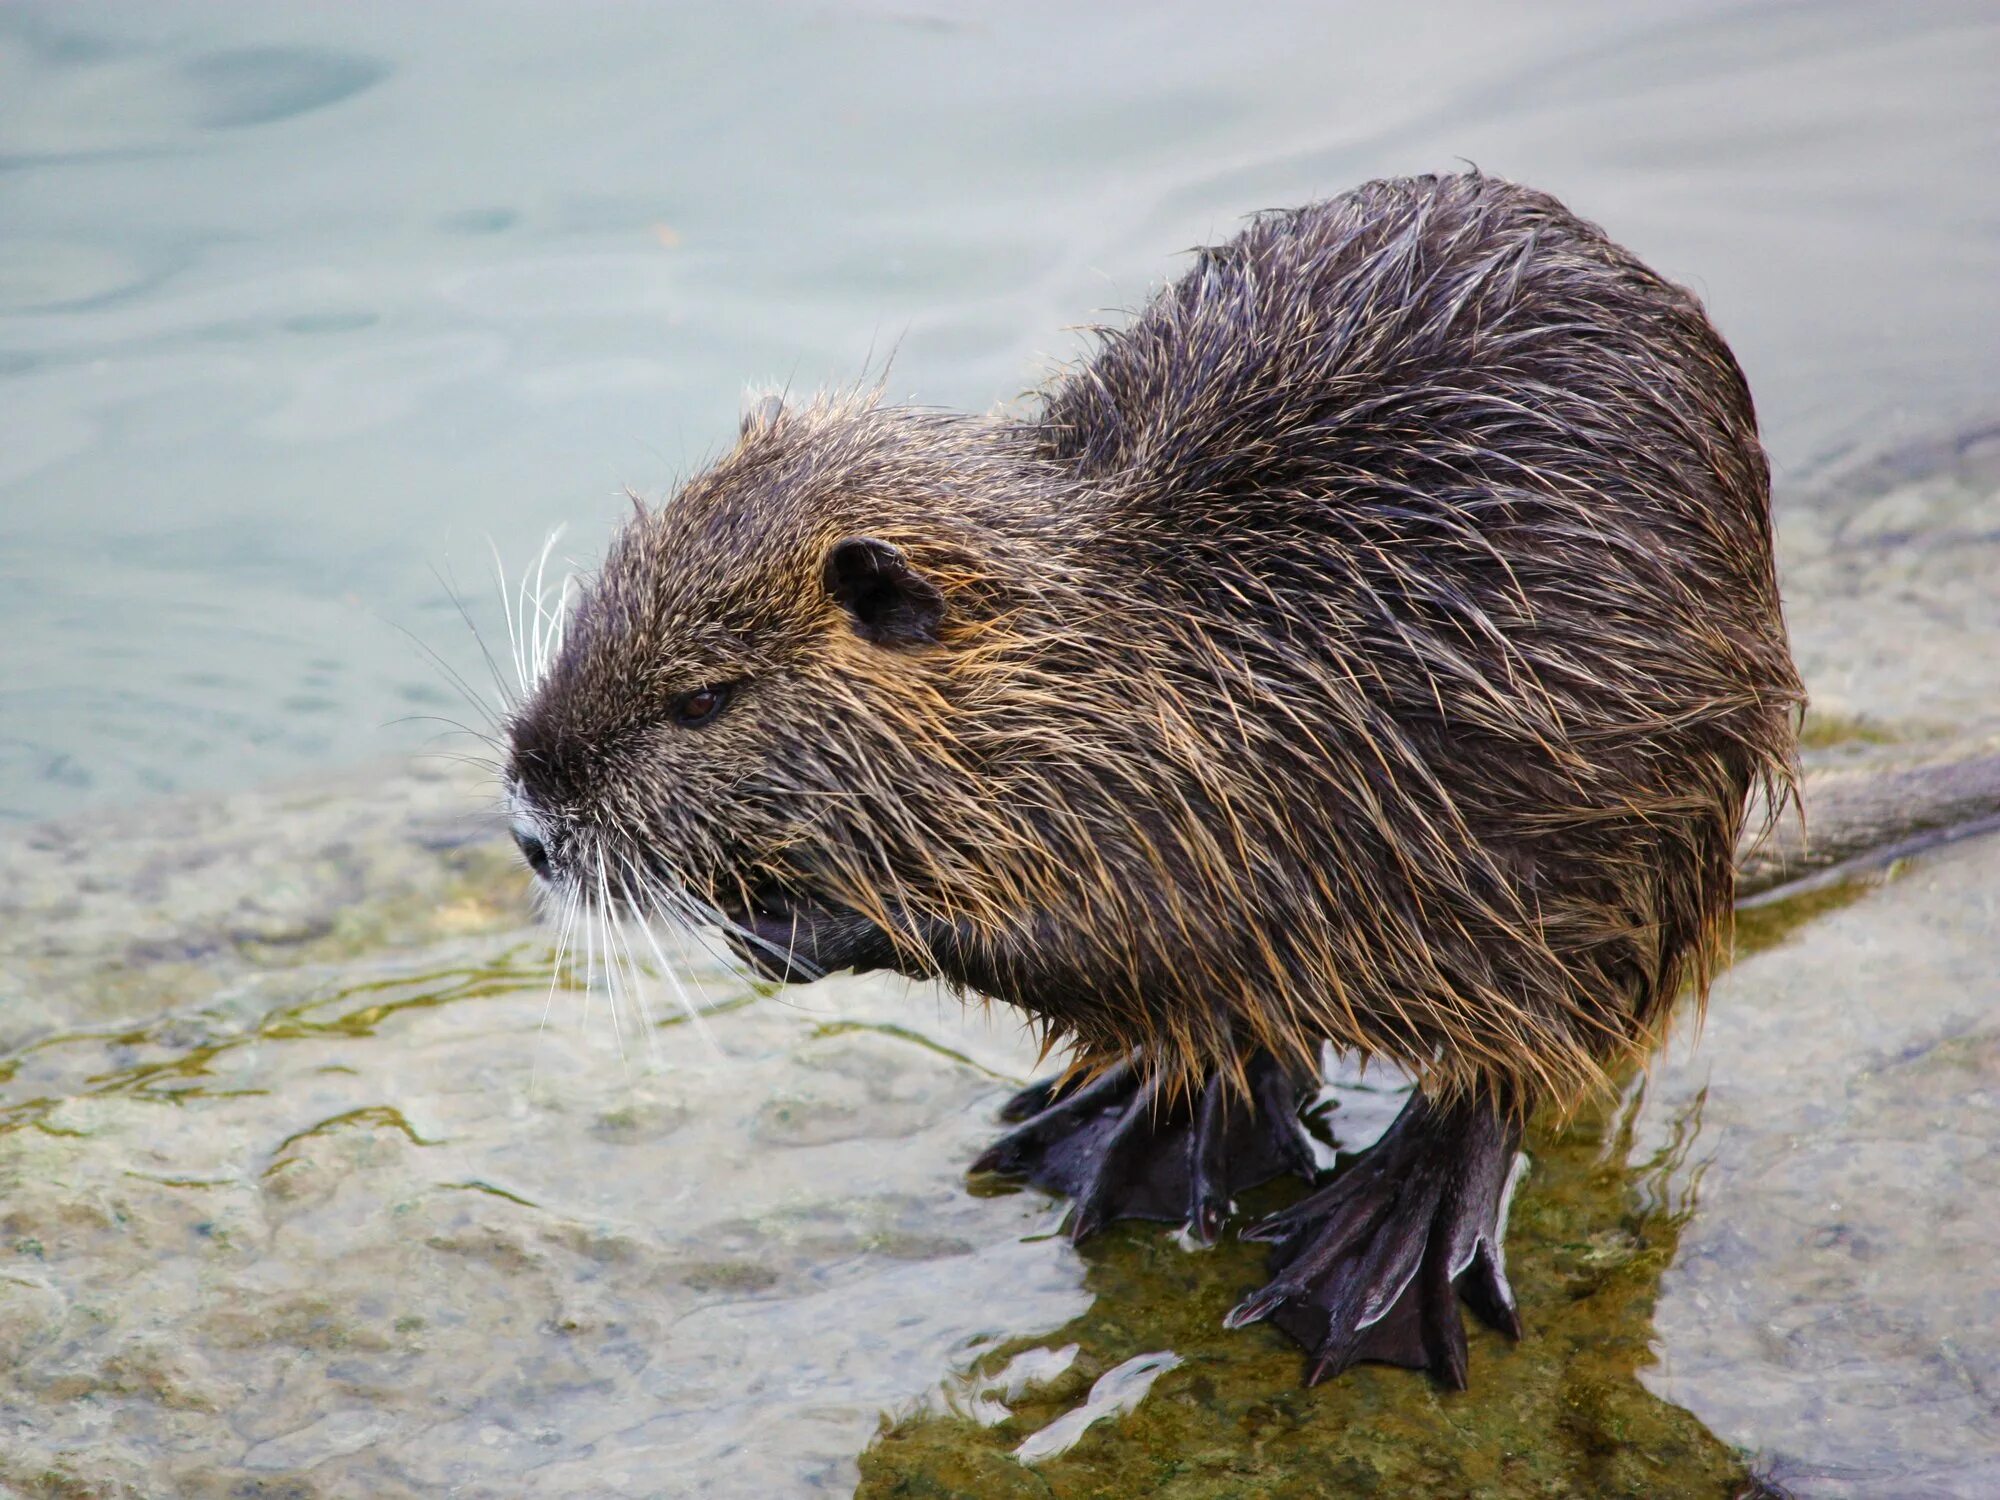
x=316 y=1178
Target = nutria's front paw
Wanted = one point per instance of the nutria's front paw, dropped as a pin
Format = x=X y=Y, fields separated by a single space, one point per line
x=1123 y=1151
x=1372 y=1266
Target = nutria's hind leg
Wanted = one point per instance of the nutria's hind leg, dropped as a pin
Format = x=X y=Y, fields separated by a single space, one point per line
x=1123 y=1151
x=1372 y=1266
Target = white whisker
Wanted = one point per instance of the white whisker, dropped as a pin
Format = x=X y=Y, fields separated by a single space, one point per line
x=551 y=638
x=611 y=977
x=548 y=627
x=507 y=611
x=660 y=899
x=452 y=676
x=555 y=979
x=590 y=917
x=492 y=667
x=636 y=993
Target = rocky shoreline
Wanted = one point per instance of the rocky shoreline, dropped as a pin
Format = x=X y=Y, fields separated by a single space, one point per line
x=315 y=1180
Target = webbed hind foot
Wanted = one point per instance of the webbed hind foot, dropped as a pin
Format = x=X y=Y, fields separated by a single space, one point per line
x=1120 y=1149
x=1372 y=1266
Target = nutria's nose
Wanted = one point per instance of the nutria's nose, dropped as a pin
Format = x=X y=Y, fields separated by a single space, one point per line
x=533 y=850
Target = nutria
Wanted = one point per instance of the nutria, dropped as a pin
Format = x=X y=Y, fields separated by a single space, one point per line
x=1376 y=641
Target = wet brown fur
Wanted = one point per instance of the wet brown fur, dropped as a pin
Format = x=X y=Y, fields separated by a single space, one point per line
x=1376 y=640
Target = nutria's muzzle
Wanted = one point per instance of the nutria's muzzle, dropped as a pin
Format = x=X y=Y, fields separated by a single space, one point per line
x=794 y=939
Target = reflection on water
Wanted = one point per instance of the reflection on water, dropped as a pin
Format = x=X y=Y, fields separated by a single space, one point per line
x=1562 y=1413
x=300 y=303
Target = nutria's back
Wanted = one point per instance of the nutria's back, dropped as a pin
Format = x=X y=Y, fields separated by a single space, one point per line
x=1376 y=640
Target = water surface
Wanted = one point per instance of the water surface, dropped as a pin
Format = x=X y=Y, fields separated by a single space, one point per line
x=301 y=306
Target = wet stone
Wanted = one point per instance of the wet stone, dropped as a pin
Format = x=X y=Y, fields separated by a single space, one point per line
x=359 y=1220
x=369 y=1223
x=1834 y=1300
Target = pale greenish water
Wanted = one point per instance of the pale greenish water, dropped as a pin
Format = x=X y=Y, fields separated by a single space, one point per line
x=317 y=1181
x=298 y=303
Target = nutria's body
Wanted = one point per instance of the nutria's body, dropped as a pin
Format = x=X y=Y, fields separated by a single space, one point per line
x=1376 y=641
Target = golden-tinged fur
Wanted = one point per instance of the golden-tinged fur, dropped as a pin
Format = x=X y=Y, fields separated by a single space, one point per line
x=1375 y=641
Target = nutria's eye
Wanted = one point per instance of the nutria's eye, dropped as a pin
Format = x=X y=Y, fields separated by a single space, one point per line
x=692 y=710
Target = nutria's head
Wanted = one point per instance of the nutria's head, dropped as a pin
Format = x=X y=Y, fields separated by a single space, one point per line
x=888 y=688
x=750 y=718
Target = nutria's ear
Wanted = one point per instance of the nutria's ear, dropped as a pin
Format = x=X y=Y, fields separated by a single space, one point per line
x=761 y=413
x=890 y=602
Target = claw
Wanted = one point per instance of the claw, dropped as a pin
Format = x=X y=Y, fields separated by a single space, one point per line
x=1485 y=1290
x=1030 y=1102
x=1443 y=1329
x=1208 y=1165
x=1259 y=1305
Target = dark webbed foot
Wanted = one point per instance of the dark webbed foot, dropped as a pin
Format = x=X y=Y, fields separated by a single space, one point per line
x=1372 y=1266
x=1122 y=1151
